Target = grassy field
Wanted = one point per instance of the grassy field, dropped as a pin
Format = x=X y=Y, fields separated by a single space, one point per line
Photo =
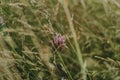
x=59 y=39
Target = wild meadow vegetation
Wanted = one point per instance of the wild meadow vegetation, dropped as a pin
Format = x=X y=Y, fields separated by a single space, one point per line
x=59 y=39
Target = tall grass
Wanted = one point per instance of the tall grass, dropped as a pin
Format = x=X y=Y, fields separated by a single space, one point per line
x=78 y=51
x=91 y=29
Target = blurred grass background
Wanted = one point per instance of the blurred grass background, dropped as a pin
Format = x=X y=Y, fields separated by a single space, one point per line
x=28 y=26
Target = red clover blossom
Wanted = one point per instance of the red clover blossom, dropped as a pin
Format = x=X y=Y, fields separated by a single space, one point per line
x=59 y=42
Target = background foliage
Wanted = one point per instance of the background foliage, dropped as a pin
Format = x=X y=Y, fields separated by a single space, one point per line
x=27 y=28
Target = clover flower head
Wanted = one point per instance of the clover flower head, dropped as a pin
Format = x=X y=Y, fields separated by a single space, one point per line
x=59 y=41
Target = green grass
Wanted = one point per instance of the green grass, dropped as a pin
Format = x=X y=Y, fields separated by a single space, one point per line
x=91 y=29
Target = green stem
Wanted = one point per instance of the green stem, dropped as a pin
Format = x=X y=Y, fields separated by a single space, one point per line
x=71 y=25
x=68 y=73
